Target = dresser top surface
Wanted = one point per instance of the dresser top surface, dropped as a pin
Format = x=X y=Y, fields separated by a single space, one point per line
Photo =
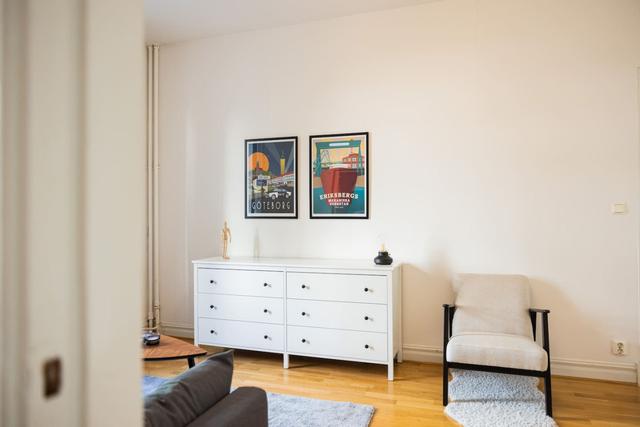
x=351 y=264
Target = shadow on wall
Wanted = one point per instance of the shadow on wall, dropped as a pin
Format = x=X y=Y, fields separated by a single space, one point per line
x=563 y=312
x=424 y=289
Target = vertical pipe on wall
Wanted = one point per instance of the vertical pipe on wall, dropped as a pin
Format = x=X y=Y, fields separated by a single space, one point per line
x=1 y=215
x=153 y=294
x=156 y=167
x=149 y=186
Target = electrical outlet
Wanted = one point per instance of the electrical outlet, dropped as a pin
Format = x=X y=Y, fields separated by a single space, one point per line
x=619 y=348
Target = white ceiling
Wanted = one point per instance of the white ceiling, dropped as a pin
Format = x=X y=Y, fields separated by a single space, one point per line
x=169 y=21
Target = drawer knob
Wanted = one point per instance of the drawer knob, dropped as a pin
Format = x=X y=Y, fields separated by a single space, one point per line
x=366 y=346
x=212 y=307
x=265 y=284
x=304 y=313
x=366 y=317
x=303 y=340
x=266 y=337
x=212 y=331
x=304 y=286
x=213 y=282
x=265 y=310
x=366 y=289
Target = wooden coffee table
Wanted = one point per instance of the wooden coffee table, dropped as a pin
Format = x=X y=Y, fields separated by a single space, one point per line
x=172 y=348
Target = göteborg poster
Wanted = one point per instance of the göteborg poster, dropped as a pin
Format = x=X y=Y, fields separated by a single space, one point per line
x=271 y=178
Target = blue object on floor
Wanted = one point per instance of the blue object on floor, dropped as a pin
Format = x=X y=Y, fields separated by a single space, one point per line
x=150 y=383
x=286 y=411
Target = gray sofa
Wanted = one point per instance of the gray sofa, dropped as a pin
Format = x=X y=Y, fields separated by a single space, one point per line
x=201 y=397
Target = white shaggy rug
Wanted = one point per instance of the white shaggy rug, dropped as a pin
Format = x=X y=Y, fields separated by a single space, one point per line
x=484 y=399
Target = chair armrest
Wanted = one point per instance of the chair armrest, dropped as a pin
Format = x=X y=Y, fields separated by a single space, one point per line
x=539 y=310
x=533 y=313
x=448 y=311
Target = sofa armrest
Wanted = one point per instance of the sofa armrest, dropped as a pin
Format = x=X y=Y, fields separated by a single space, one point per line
x=180 y=400
x=246 y=406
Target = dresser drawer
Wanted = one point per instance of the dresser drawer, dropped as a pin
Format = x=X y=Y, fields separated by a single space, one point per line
x=234 y=307
x=337 y=315
x=229 y=333
x=337 y=287
x=240 y=282
x=337 y=344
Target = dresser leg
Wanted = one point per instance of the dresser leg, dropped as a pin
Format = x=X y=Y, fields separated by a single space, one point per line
x=285 y=361
x=390 y=371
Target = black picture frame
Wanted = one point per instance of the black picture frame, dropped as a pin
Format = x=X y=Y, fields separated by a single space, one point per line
x=366 y=170
x=247 y=204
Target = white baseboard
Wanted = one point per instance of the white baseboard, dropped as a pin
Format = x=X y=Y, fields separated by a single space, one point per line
x=422 y=353
x=176 y=329
x=611 y=371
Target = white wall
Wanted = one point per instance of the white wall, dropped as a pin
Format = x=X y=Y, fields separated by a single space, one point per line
x=501 y=133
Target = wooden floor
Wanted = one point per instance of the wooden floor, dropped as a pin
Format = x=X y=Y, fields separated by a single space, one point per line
x=414 y=398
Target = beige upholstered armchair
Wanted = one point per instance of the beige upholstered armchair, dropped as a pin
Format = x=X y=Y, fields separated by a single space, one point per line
x=492 y=328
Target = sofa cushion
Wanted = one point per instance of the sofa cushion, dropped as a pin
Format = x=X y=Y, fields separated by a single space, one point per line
x=245 y=407
x=495 y=303
x=506 y=351
x=180 y=400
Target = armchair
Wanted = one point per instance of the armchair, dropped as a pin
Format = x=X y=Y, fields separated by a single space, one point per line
x=492 y=328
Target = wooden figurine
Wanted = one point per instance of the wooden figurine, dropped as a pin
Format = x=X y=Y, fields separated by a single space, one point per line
x=226 y=239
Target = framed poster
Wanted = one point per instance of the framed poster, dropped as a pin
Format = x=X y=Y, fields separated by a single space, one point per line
x=271 y=177
x=339 y=175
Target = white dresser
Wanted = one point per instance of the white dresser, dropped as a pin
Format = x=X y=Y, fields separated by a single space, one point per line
x=334 y=309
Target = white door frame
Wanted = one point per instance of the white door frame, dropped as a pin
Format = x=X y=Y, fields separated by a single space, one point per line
x=638 y=248
x=72 y=231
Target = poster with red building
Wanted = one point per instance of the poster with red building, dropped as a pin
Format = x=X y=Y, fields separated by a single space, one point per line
x=339 y=181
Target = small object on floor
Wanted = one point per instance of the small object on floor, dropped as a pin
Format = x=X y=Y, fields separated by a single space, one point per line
x=383 y=257
x=150 y=338
x=484 y=399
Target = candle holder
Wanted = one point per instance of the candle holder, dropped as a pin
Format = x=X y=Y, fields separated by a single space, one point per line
x=383 y=257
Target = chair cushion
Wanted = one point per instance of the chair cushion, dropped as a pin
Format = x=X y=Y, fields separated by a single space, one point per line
x=506 y=351
x=492 y=303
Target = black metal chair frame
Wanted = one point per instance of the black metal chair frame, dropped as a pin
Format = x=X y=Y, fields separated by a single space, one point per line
x=449 y=311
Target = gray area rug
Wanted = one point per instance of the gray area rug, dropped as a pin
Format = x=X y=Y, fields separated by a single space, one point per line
x=484 y=399
x=285 y=410
x=288 y=411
